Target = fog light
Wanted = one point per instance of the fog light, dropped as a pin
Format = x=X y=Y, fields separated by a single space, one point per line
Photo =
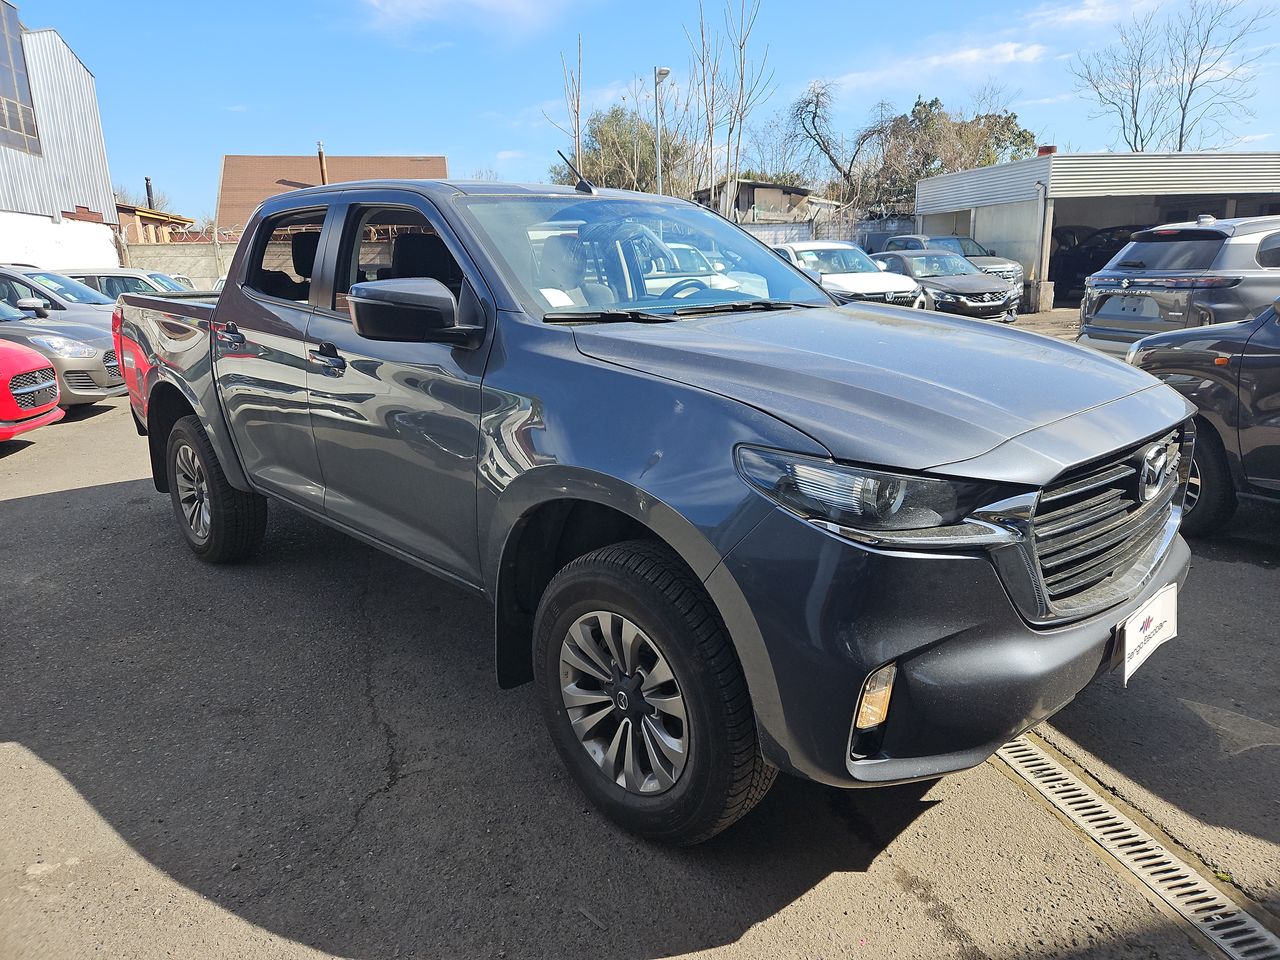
x=873 y=705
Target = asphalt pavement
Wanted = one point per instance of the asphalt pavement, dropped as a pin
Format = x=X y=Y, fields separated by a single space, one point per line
x=307 y=756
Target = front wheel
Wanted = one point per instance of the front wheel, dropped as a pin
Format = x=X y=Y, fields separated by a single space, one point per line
x=643 y=695
x=220 y=523
x=1211 y=496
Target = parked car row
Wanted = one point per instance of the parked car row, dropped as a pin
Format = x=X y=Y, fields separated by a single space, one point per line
x=64 y=319
x=912 y=274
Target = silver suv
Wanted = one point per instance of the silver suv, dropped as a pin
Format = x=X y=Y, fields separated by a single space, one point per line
x=1182 y=275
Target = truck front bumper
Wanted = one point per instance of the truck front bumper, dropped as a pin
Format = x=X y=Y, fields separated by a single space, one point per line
x=823 y=613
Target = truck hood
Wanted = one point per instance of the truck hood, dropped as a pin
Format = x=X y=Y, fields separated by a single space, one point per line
x=876 y=385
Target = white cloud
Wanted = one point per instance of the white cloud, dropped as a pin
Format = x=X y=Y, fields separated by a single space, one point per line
x=1085 y=13
x=990 y=55
x=1045 y=101
x=1254 y=137
x=504 y=155
x=237 y=108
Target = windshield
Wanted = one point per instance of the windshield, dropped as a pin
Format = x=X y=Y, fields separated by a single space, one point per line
x=965 y=246
x=582 y=254
x=166 y=282
x=939 y=265
x=72 y=291
x=837 y=260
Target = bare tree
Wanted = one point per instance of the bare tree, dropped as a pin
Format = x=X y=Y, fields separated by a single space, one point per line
x=1210 y=80
x=705 y=75
x=747 y=86
x=485 y=173
x=572 y=105
x=1127 y=80
x=132 y=198
x=1176 y=83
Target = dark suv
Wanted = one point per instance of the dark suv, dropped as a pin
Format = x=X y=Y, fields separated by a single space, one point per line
x=1182 y=275
x=1230 y=372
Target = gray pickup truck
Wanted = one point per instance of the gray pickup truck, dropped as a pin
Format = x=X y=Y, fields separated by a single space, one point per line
x=727 y=528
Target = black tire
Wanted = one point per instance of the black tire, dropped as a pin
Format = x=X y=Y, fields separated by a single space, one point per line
x=1216 y=502
x=724 y=774
x=234 y=522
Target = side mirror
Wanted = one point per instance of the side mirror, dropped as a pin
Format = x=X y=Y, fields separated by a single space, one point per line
x=719 y=267
x=409 y=310
x=882 y=265
x=37 y=305
x=991 y=252
x=812 y=274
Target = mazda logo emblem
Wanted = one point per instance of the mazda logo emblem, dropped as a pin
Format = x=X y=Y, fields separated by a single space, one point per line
x=1152 y=470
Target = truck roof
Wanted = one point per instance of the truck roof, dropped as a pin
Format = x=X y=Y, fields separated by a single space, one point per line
x=452 y=188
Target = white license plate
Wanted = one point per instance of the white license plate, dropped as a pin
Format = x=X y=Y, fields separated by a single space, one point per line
x=1141 y=633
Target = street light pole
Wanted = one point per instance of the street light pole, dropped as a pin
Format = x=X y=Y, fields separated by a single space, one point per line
x=659 y=74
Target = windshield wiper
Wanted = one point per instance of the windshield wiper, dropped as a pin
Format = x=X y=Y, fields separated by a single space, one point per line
x=1132 y=263
x=739 y=306
x=606 y=316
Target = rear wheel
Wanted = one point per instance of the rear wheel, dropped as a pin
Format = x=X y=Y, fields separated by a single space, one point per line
x=643 y=695
x=1211 y=496
x=220 y=523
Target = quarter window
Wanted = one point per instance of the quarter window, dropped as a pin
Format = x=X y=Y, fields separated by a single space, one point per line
x=1269 y=251
x=282 y=267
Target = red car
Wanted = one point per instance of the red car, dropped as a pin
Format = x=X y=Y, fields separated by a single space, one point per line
x=28 y=391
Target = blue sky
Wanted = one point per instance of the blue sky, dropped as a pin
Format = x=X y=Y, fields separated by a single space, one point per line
x=181 y=83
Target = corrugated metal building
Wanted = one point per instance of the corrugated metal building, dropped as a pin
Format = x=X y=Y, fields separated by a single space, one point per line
x=56 y=199
x=1017 y=207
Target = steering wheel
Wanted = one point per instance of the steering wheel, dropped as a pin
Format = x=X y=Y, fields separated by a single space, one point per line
x=688 y=283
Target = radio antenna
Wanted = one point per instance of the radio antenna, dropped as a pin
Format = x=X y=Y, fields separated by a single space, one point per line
x=583 y=185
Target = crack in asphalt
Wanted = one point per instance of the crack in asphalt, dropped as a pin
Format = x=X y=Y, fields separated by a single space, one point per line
x=938 y=911
x=392 y=770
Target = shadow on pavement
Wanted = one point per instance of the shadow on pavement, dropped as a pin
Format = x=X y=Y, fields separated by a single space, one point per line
x=9 y=447
x=314 y=741
x=85 y=411
x=1199 y=725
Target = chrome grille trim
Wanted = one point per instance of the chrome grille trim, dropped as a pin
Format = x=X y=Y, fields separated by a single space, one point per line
x=35 y=388
x=1094 y=539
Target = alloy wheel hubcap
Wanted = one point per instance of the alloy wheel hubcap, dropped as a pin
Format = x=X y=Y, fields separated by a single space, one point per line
x=193 y=491
x=1192 y=496
x=624 y=703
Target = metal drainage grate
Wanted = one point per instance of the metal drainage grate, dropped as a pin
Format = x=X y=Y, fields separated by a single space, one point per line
x=1231 y=929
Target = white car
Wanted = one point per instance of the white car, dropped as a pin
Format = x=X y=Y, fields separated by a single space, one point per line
x=692 y=265
x=847 y=271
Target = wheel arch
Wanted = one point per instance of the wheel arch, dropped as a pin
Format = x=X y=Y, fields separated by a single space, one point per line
x=168 y=400
x=554 y=518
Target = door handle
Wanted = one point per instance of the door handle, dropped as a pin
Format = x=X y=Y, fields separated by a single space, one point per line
x=228 y=334
x=326 y=355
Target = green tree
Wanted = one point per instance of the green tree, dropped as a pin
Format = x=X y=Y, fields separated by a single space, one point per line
x=618 y=151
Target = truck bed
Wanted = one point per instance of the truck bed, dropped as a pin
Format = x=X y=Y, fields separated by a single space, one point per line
x=197 y=307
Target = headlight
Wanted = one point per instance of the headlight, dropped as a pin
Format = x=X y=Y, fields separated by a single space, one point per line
x=64 y=347
x=874 y=506
x=940 y=297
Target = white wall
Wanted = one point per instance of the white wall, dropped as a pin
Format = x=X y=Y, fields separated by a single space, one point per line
x=27 y=238
x=1009 y=228
x=202 y=262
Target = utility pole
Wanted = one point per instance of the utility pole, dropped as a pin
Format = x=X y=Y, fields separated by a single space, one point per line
x=659 y=74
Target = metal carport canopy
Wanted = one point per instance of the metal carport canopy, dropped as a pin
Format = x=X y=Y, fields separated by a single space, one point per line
x=1100 y=175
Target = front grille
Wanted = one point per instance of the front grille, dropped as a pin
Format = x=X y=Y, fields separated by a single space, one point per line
x=79 y=380
x=34 y=388
x=113 y=366
x=1004 y=274
x=1096 y=522
x=985 y=297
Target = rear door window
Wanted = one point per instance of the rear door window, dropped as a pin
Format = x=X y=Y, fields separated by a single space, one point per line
x=283 y=265
x=114 y=286
x=1171 y=250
